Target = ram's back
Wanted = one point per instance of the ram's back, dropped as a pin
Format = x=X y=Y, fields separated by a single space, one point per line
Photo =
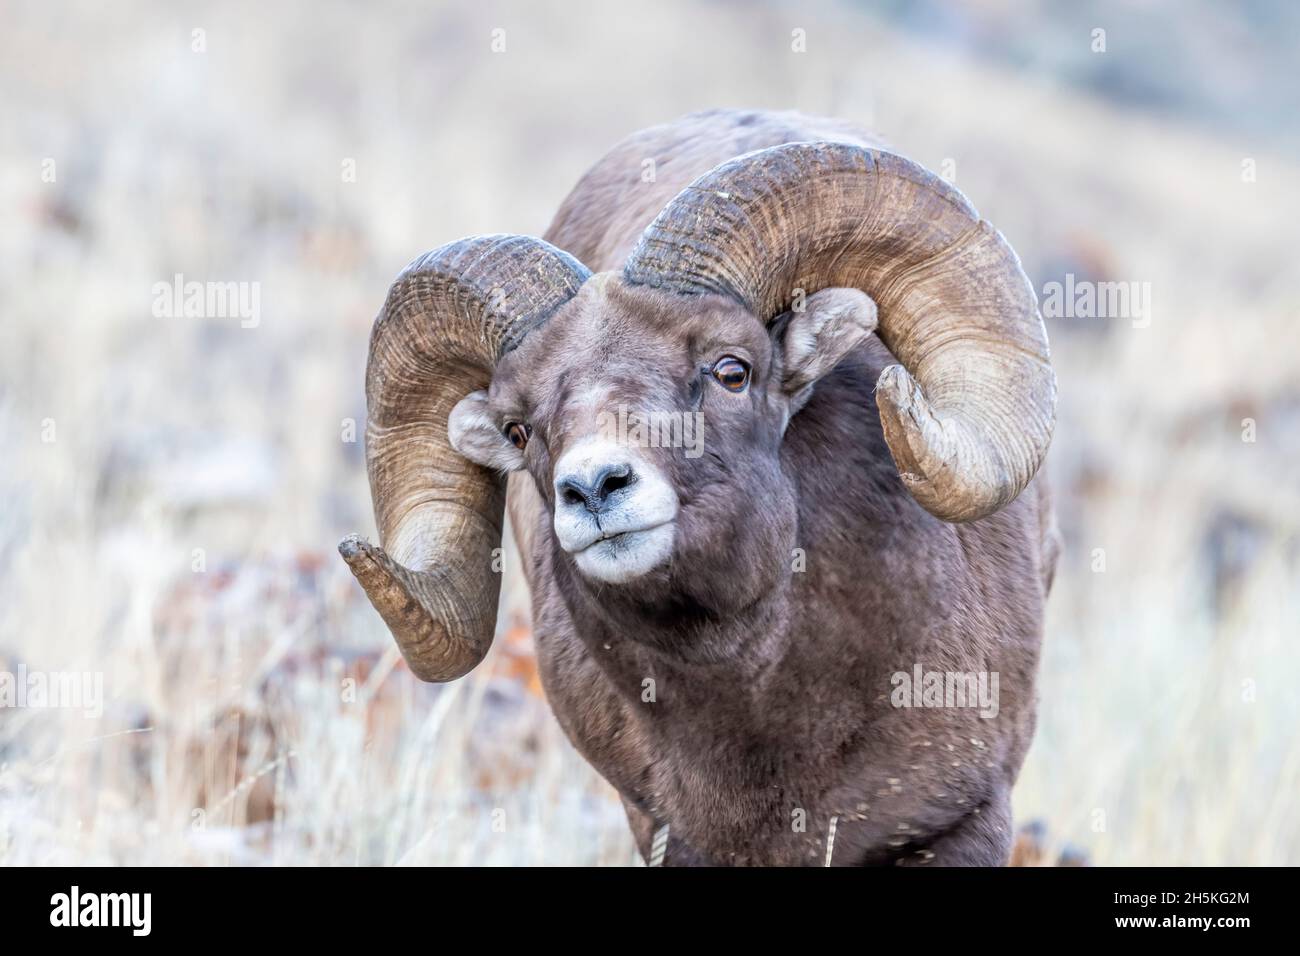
x=602 y=219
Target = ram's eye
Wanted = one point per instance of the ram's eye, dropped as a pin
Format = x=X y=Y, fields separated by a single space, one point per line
x=518 y=433
x=731 y=373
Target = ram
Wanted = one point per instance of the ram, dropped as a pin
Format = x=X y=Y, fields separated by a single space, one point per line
x=751 y=643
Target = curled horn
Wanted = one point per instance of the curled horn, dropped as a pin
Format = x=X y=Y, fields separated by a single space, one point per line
x=448 y=319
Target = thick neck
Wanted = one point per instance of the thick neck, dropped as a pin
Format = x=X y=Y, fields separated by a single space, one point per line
x=702 y=644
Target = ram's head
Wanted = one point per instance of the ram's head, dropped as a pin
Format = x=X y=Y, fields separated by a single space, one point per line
x=502 y=352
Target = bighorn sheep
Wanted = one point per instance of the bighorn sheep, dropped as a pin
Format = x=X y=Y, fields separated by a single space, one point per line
x=732 y=637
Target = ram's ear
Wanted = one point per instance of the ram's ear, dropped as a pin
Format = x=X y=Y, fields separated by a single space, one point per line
x=813 y=339
x=474 y=434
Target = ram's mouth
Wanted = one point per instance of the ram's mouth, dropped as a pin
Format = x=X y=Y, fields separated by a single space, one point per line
x=624 y=556
x=617 y=539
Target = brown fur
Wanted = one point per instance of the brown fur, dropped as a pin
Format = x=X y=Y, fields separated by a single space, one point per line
x=771 y=715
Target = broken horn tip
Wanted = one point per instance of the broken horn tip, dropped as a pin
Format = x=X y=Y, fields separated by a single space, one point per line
x=891 y=381
x=351 y=547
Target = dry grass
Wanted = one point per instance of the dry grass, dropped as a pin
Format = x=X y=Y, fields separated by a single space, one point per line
x=253 y=710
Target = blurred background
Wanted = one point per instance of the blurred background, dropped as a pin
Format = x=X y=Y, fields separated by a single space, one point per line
x=172 y=486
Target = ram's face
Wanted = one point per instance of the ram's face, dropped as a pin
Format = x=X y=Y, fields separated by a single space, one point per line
x=653 y=436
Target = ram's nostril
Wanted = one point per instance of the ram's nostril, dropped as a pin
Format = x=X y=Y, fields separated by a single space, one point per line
x=595 y=495
x=614 y=480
